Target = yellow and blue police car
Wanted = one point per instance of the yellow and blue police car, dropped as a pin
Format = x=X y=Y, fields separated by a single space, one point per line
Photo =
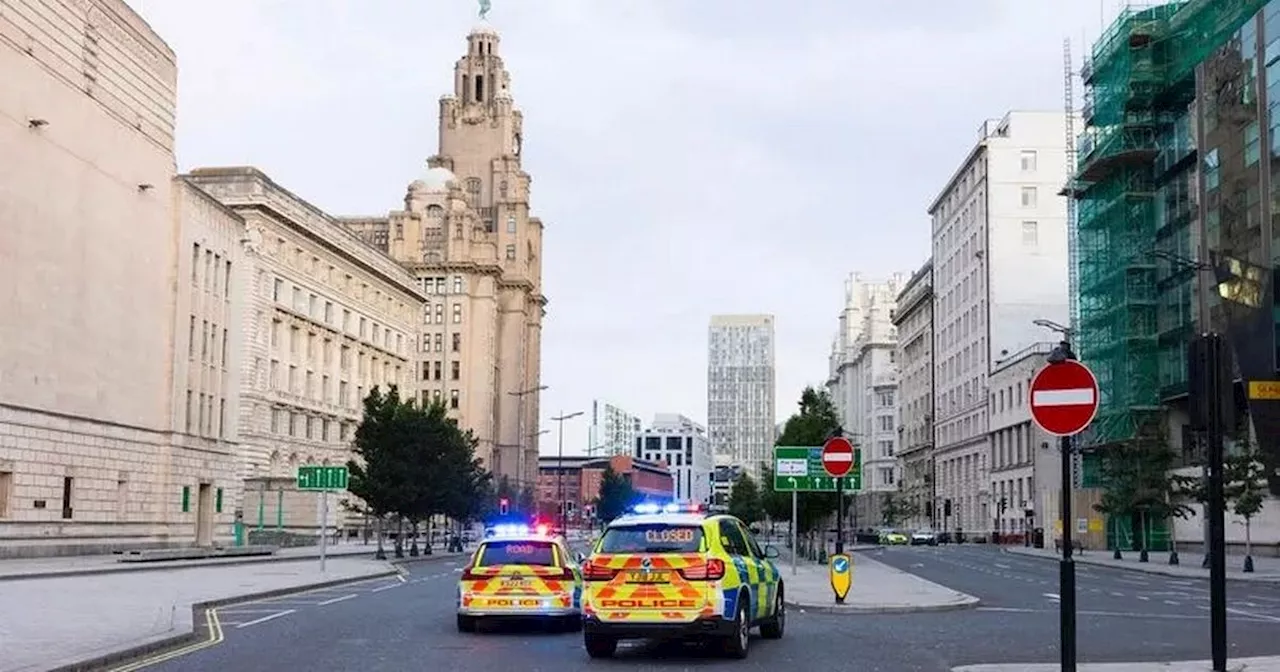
x=520 y=573
x=677 y=572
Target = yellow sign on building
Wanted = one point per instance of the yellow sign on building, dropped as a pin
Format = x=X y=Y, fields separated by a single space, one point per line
x=1264 y=389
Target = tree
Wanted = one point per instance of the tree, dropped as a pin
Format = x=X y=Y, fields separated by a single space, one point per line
x=1246 y=489
x=812 y=426
x=1139 y=483
x=895 y=509
x=744 y=500
x=616 y=496
x=777 y=505
x=447 y=477
x=379 y=470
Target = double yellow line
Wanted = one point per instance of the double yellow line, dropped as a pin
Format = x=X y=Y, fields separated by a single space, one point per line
x=214 y=637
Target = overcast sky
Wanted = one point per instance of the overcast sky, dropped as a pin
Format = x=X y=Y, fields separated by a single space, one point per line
x=689 y=157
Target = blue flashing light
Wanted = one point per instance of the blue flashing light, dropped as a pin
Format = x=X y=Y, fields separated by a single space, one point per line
x=672 y=507
x=509 y=531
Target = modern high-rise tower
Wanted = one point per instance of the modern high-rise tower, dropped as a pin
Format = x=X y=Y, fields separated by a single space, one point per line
x=467 y=235
x=741 y=389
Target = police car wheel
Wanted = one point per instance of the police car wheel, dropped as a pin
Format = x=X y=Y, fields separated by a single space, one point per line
x=777 y=623
x=466 y=623
x=599 y=646
x=737 y=644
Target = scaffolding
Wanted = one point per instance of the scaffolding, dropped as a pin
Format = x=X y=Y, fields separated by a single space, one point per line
x=1139 y=79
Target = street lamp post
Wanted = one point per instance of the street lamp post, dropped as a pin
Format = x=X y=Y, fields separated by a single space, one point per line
x=560 y=467
x=520 y=437
x=1066 y=567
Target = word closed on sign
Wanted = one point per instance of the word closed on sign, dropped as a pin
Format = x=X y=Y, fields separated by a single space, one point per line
x=649 y=603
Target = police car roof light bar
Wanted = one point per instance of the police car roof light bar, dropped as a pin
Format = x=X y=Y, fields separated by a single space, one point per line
x=672 y=507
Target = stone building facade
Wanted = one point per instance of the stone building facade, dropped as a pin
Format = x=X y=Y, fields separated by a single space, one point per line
x=467 y=236
x=326 y=319
x=94 y=453
x=913 y=318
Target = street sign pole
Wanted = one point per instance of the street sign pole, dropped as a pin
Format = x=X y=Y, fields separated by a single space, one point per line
x=795 y=530
x=324 y=527
x=1064 y=400
x=839 y=517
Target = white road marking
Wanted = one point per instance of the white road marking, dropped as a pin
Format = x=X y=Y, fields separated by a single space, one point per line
x=1115 y=594
x=1172 y=603
x=1144 y=598
x=1250 y=614
x=1003 y=566
x=389 y=586
x=336 y=599
x=401 y=577
x=1052 y=596
x=264 y=619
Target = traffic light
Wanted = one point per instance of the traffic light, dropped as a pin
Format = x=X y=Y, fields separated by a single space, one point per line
x=504 y=506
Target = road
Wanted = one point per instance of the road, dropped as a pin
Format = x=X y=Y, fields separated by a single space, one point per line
x=1119 y=611
x=393 y=625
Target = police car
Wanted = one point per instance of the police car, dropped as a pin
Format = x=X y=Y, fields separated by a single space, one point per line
x=677 y=572
x=518 y=572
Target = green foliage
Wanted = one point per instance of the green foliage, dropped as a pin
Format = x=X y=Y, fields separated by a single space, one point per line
x=415 y=462
x=1246 y=481
x=1138 y=482
x=744 y=500
x=777 y=505
x=895 y=509
x=377 y=472
x=616 y=496
x=811 y=426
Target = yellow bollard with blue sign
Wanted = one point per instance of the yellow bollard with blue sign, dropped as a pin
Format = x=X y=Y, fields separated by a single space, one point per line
x=840 y=568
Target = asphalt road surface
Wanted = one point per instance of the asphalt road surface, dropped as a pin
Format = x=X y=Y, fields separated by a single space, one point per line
x=1119 y=612
x=392 y=625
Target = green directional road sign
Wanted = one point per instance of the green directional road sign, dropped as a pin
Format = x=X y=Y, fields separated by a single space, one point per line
x=799 y=469
x=322 y=478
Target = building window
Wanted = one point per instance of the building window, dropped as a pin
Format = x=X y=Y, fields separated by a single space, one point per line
x=1029 y=197
x=456 y=346
x=457 y=313
x=511 y=223
x=439 y=313
x=437 y=370
x=455 y=370
x=1028 y=160
x=1030 y=234
x=453 y=399
x=511 y=253
x=457 y=284
x=439 y=342
x=67 y=483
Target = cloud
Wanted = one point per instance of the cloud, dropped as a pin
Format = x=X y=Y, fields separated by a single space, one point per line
x=689 y=158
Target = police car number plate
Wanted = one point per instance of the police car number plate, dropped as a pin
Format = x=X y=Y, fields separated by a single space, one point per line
x=648 y=577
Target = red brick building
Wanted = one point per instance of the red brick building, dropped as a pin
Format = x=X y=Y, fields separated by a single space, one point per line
x=582 y=476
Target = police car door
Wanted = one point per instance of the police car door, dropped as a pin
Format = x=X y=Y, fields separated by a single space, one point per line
x=748 y=570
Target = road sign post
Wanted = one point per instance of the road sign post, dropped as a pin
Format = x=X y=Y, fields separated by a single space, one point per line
x=1064 y=400
x=837 y=460
x=323 y=479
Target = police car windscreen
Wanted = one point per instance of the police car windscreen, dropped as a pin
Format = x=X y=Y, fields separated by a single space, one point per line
x=518 y=553
x=652 y=539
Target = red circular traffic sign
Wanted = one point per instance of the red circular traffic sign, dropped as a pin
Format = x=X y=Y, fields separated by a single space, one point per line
x=1064 y=398
x=837 y=456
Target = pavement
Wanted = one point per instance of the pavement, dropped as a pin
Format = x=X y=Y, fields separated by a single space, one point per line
x=1263 y=664
x=877 y=589
x=80 y=565
x=1266 y=569
x=67 y=619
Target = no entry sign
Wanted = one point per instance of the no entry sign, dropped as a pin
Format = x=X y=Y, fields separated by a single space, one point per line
x=1064 y=398
x=837 y=456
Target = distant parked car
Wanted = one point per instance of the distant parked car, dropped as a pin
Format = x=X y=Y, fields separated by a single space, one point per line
x=892 y=538
x=924 y=538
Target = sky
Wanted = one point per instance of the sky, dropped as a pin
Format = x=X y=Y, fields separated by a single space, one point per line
x=689 y=157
